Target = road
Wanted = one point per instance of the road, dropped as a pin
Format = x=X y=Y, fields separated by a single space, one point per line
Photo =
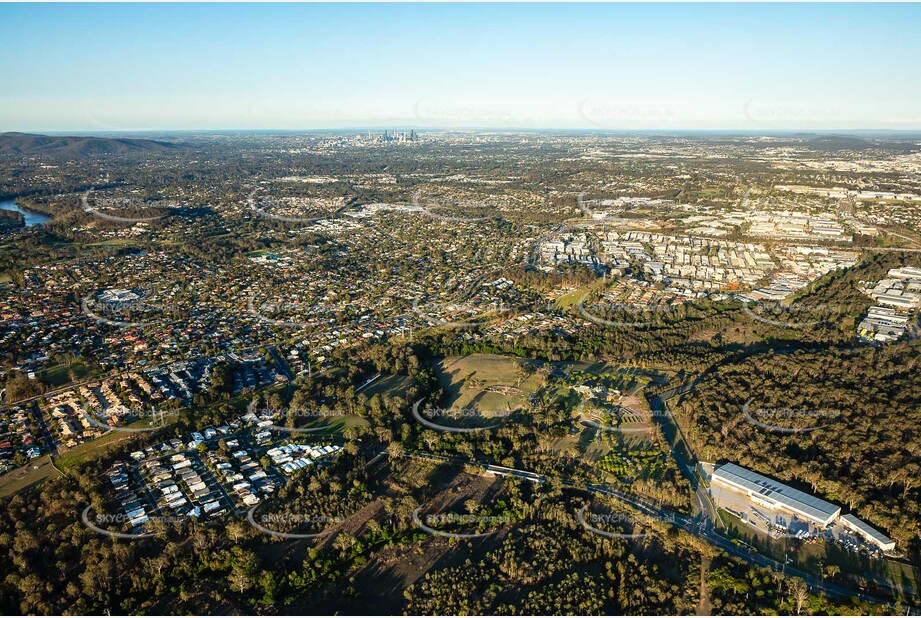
x=708 y=514
x=681 y=451
x=914 y=241
x=39 y=416
x=700 y=526
x=208 y=476
x=368 y=382
x=743 y=205
x=891 y=250
x=61 y=389
x=281 y=364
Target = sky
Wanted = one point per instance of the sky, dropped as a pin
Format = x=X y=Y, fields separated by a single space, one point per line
x=161 y=67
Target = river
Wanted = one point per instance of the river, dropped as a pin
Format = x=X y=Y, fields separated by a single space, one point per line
x=32 y=218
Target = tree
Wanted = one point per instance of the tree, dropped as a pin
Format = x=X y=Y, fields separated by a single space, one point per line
x=523 y=370
x=799 y=594
x=239 y=579
x=395 y=450
x=430 y=438
x=242 y=569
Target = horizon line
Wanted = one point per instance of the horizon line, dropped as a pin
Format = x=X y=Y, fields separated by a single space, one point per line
x=478 y=129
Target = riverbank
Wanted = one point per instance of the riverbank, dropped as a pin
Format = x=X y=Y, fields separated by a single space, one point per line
x=11 y=220
x=29 y=217
x=27 y=203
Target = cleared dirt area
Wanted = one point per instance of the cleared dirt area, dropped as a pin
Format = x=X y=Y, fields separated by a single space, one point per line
x=399 y=567
x=380 y=582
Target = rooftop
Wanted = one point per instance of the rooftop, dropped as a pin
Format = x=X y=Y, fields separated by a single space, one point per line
x=773 y=490
x=868 y=531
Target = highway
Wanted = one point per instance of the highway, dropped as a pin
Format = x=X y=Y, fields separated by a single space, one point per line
x=703 y=528
x=681 y=451
x=704 y=524
x=700 y=526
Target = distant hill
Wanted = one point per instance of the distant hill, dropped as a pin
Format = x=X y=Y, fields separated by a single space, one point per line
x=838 y=142
x=845 y=142
x=29 y=144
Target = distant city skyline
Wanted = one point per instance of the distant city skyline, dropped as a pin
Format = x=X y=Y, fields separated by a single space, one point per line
x=739 y=67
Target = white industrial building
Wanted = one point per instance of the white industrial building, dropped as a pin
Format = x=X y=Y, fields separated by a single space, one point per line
x=869 y=534
x=906 y=272
x=731 y=485
x=771 y=494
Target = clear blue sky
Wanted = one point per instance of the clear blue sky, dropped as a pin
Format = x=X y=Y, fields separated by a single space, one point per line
x=119 y=67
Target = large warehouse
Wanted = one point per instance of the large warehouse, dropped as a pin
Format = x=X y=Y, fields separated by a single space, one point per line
x=778 y=509
x=771 y=494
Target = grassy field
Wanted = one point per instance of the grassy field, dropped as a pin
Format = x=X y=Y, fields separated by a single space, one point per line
x=107 y=441
x=333 y=425
x=60 y=375
x=638 y=376
x=583 y=445
x=627 y=380
x=392 y=385
x=115 y=242
x=591 y=443
x=571 y=299
x=90 y=450
x=33 y=472
x=467 y=380
x=241 y=402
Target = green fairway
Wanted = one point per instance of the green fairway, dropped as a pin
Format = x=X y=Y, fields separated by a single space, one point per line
x=391 y=385
x=487 y=382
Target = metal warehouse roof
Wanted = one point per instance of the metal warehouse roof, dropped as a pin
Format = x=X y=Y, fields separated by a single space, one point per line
x=867 y=530
x=774 y=490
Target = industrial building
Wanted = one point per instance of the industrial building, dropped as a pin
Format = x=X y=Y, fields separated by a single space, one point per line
x=867 y=532
x=771 y=494
x=780 y=510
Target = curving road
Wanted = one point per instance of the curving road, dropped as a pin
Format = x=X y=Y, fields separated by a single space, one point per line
x=700 y=526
